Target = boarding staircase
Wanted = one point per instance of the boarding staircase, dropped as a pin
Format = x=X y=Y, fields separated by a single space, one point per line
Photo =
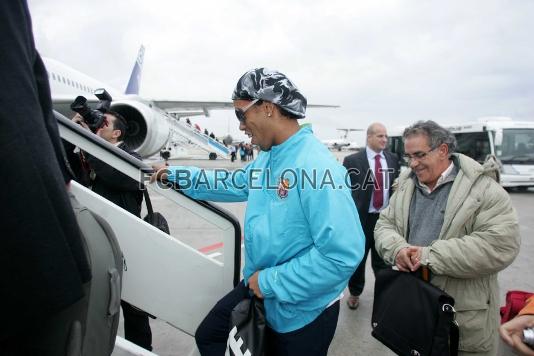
x=163 y=275
x=185 y=135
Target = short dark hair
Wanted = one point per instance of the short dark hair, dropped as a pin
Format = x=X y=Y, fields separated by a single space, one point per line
x=119 y=124
x=436 y=134
x=286 y=113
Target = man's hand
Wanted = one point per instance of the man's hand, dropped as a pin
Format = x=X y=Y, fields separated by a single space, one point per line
x=408 y=259
x=78 y=119
x=416 y=252
x=161 y=172
x=254 y=285
x=512 y=333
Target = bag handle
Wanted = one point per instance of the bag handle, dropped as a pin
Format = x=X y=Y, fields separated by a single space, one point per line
x=454 y=330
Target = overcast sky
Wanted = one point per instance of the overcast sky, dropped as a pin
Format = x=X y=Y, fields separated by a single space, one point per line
x=389 y=61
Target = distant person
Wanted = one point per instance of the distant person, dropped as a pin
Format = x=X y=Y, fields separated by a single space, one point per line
x=197 y=127
x=45 y=272
x=232 y=150
x=512 y=331
x=242 y=152
x=303 y=242
x=187 y=121
x=212 y=135
x=206 y=132
x=372 y=172
x=248 y=152
x=123 y=191
x=449 y=214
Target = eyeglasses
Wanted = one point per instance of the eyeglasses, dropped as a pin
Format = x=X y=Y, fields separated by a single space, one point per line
x=418 y=156
x=240 y=113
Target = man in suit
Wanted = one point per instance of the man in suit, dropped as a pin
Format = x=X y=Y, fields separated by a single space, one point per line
x=370 y=195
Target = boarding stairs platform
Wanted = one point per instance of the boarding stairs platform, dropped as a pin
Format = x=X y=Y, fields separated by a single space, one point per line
x=186 y=135
x=165 y=275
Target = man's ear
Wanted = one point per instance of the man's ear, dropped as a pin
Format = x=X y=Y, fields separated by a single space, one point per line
x=268 y=108
x=116 y=133
x=444 y=149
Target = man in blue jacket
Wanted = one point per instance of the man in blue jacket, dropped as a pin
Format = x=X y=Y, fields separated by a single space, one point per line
x=303 y=239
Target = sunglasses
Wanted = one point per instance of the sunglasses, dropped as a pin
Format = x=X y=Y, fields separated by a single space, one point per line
x=240 y=112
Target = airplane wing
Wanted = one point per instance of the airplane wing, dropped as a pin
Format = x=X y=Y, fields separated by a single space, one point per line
x=177 y=106
x=180 y=104
x=186 y=113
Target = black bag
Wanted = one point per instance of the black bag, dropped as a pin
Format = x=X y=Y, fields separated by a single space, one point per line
x=247 y=328
x=413 y=317
x=154 y=218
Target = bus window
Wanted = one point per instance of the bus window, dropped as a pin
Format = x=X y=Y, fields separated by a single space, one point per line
x=517 y=146
x=474 y=144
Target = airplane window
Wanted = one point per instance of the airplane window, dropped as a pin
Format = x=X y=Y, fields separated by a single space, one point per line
x=53 y=76
x=64 y=81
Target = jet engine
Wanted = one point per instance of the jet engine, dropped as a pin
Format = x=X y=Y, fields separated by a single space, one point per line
x=148 y=128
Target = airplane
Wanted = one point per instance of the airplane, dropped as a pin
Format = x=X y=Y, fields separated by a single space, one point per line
x=152 y=124
x=342 y=142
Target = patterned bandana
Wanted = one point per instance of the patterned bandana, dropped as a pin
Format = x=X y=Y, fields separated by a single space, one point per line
x=272 y=86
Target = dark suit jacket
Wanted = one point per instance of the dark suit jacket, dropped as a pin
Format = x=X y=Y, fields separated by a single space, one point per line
x=115 y=186
x=109 y=183
x=362 y=179
x=42 y=259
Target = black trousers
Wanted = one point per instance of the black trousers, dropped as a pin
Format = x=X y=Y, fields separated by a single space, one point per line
x=312 y=340
x=136 y=326
x=357 y=280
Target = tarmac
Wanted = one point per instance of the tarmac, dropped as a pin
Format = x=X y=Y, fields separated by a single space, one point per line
x=353 y=333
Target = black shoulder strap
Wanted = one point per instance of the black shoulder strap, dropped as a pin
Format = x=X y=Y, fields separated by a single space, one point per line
x=148 y=202
x=454 y=338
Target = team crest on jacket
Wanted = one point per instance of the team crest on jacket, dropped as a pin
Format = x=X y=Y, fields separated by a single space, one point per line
x=283 y=188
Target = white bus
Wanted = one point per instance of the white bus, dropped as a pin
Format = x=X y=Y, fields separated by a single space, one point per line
x=511 y=142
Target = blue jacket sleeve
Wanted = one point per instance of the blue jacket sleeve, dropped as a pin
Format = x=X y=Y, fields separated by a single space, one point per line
x=338 y=247
x=212 y=185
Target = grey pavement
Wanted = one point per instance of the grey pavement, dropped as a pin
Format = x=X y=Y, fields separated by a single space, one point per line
x=353 y=334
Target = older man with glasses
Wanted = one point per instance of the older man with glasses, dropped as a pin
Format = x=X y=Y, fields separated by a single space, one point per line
x=450 y=215
x=303 y=239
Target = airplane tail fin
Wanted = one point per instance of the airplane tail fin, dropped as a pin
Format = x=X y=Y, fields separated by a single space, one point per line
x=135 y=77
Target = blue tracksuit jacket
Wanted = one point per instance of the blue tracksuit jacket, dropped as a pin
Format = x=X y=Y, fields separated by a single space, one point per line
x=302 y=229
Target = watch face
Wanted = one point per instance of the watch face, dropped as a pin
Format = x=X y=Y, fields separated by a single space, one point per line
x=92 y=174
